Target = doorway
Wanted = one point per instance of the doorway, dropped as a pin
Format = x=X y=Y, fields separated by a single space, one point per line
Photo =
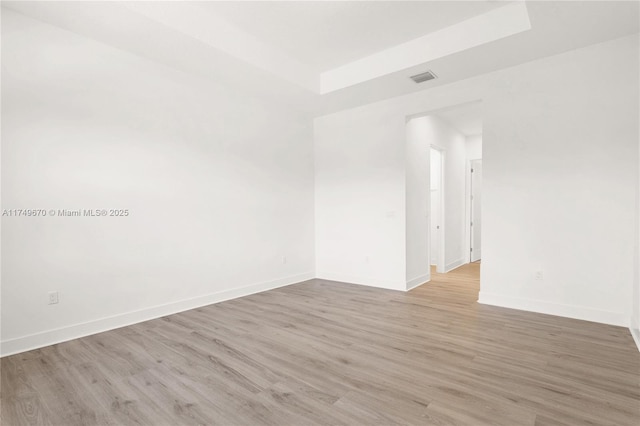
x=476 y=211
x=436 y=214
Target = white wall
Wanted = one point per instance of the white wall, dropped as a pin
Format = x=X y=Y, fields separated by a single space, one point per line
x=559 y=161
x=473 y=146
x=635 y=300
x=417 y=211
x=635 y=303
x=452 y=142
x=219 y=185
x=432 y=130
x=360 y=197
x=559 y=158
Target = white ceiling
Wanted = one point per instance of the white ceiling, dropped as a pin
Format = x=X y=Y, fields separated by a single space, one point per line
x=327 y=34
x=556 y=27
x=265 y=49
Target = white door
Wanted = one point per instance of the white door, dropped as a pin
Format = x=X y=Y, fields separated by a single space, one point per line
x=436 y=201
x=476 y=216
x=435 y=225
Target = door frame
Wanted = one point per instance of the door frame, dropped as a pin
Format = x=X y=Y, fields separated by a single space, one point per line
x=440 y=261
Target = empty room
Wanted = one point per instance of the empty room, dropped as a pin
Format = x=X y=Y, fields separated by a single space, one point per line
x=303 y=213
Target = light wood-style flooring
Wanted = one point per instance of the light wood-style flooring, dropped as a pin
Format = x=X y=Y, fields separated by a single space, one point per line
x=326 y=353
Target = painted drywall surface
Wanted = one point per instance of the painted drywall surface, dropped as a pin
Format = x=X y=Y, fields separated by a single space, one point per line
x=423 y=132
x=635 y=299
x=493 y=25
x=635 y=308
x=444 y=136
x=474 y=147
x=560 y=153
x=360 y=213
x=219 y=185
x=559 y=159
x=417 y=201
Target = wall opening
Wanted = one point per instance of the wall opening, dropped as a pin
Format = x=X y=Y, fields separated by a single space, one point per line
x=442 y=145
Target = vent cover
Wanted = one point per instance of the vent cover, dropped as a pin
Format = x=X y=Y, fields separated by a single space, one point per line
x=425 y=76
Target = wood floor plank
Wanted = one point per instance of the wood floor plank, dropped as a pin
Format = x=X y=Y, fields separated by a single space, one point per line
x=322 y=352
x=27 y=410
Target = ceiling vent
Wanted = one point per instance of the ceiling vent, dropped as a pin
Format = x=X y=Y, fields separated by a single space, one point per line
x=425 y=76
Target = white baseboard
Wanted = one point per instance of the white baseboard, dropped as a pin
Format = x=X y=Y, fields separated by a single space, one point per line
x=453 y=265
x=350 y=279
x=550 y=308
x=418 y=281
x=59 y=335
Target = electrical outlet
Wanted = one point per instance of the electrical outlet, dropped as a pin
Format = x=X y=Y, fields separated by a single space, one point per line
x=538 y=275
x=284 y=260
x=53 y=297
x=366 y=259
